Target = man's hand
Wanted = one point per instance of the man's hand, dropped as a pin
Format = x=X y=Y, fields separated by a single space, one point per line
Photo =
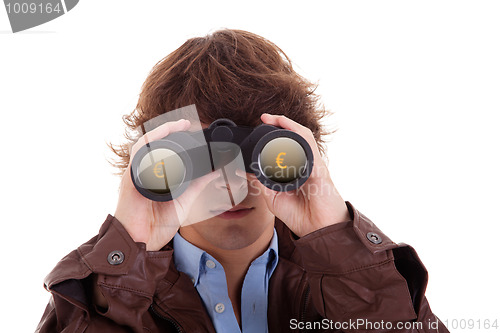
x=317 y=203
x=151 y=222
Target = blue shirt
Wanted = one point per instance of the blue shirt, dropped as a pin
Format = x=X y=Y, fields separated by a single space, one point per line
x=209 y=278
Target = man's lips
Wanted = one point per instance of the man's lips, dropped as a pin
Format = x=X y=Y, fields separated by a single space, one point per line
x=233 y=213
x=229 y=209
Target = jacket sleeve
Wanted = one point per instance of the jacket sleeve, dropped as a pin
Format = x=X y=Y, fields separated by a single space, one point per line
x=360 y=279
x=125 y=272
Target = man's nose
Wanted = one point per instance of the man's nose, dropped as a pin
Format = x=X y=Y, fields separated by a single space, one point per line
x=231 y=179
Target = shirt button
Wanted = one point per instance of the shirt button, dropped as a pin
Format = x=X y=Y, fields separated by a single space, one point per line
x=219 y=307
x=193 y=280
x=210 y=264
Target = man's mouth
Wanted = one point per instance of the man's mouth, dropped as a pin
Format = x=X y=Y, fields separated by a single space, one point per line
x=233 y=213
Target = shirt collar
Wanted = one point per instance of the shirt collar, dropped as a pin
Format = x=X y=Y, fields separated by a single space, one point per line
x=189 y=258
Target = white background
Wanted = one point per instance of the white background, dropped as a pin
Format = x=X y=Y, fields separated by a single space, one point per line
x=414 y=86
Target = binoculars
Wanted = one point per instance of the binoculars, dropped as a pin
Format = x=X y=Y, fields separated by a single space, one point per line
x=281 y=159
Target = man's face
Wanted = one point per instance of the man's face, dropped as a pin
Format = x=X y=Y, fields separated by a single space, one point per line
x=237 y=228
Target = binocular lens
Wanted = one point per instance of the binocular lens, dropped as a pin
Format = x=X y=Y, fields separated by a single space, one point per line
x=161 y=171
x=283 y=160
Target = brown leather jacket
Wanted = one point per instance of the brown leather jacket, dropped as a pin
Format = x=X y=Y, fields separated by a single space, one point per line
x=340 y=278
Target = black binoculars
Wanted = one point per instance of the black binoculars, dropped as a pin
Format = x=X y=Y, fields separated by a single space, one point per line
x=281 y=159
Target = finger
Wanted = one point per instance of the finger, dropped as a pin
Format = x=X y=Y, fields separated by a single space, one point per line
x=282 y=121
x=165 y=129
x=255 y=183
x=161 y=132
x=289 y=124
x=193 y=194
x=240 y=173
x=196 y=186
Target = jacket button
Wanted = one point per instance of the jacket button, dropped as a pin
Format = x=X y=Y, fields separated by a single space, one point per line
x=116 y=257
x=374 y=238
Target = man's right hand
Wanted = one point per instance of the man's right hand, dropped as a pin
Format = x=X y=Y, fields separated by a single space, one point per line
x=151 y=222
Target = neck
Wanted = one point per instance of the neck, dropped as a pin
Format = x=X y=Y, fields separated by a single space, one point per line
x=235 y=261
x=231 y=259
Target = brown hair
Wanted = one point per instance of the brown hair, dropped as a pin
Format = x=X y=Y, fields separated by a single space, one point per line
x=231 y=74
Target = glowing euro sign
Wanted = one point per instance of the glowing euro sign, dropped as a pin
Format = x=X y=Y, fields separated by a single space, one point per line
x=279 y=160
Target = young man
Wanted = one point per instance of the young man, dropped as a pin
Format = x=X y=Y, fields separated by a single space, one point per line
x=276 y=262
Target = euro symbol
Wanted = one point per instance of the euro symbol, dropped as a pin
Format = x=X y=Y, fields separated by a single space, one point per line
x=279 y=160
x=158 y=169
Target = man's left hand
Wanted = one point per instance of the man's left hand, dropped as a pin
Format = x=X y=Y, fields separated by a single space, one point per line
x=317 y=203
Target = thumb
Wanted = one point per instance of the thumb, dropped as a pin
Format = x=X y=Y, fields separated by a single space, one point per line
x=186 y=200
x=269 y=195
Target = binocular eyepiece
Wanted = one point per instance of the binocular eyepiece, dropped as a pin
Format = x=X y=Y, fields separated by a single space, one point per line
x=281 y=159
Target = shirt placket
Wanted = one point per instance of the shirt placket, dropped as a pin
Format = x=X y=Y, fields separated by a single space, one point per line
x=213 y=289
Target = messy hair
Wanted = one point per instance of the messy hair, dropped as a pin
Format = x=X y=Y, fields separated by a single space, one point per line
x=231 y=74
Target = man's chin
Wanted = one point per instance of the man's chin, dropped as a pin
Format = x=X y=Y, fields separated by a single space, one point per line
x=228 y=234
